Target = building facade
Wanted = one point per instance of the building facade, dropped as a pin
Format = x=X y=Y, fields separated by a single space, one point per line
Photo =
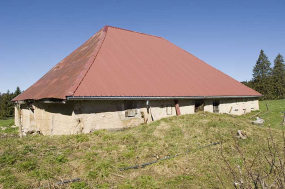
x=86 y=116
x=121 y=78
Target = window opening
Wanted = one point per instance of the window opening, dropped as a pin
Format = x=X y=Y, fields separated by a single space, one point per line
x=199 y=105
x=130 y=107
x=216 y=104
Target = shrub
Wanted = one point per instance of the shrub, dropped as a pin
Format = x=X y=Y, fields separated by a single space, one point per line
x=79 y=185
x=28 y=165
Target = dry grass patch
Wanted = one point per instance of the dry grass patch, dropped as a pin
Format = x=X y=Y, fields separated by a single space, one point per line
x=96 y=158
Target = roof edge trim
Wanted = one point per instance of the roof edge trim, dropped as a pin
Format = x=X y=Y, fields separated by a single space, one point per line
x=92 y=59
x=151 y=97
x=134 y=31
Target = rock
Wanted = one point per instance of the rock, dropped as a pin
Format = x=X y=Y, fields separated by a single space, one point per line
x=14 y=126
x=5 y=135
x=3 y=128
x=30 y=132
x=258 y=121
x=241 y=134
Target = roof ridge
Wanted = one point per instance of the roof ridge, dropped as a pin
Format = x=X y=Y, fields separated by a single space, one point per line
x=85 y=71
x=87 y=67
x=134 y=31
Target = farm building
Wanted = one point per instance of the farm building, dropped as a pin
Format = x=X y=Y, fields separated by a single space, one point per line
x=120 y=78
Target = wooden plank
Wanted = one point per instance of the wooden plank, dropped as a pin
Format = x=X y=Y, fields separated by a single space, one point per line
x=19 y=119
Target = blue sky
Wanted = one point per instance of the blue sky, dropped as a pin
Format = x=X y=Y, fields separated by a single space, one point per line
x=227 y=34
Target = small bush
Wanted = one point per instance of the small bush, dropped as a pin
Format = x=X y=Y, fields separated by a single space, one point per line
x=92 y=174
x=103 y=168
x=126 y=185
x=8 y=159
x=79 y=185
x=105 y=185
x=81 y=138
x=41 y=174
x=61 y=159
x=28 y=149
x=28 y=165
x=99 y=132
x=146 y=181
x=177 y=180
x=130 y=153
x=108 y=137
x=91 y=156
x=128 y=138
x=8 y=181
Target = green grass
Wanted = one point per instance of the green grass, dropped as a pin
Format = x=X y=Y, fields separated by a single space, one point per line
x=8 y=123
x=274 y=116
x=96 y=158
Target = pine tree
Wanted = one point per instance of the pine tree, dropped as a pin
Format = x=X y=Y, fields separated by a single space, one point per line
x=278 y=75
x=262 y=71
x=248 y=83
x=6 y=104
x=4 y=113
x=17 y=92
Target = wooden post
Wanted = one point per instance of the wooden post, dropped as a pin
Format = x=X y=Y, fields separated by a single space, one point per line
x=178 y=113
x=230 y=110
x=19 y=119
x=267 y=106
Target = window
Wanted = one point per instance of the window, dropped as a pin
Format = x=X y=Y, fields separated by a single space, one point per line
x=199 y=105
x=130 y=107
x=168 y=109
x=216 y=104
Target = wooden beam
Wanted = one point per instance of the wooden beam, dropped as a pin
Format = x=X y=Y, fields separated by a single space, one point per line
x=19 y=119
x=178 y=113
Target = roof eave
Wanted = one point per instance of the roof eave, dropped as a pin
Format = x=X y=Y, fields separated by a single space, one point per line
x=154 y=97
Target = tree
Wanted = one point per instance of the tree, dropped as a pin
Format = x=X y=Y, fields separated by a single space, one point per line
x=17 y=92
x=278 y=77
x=262 y=76
x=4 y=113
x=6 y=104
x=248 y=83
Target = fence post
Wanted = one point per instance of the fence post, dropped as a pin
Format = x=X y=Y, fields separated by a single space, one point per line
x=19 y=119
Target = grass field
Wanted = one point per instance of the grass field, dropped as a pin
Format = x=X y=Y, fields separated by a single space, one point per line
x=7 y=124
x=95 y=158
x=274 y=116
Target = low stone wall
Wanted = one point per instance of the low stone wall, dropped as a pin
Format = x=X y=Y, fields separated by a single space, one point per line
x=88 y=116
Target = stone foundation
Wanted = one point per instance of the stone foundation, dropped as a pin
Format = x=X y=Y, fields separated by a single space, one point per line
x=90 y=115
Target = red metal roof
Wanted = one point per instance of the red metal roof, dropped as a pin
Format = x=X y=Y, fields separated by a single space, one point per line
x=118 y=62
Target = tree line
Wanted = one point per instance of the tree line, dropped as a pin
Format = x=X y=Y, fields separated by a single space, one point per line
x=267 y=80
x=6 y=105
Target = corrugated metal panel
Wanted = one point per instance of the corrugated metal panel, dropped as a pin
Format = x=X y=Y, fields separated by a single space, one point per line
x=135 y=64
x=117 y=62
x=63 y=79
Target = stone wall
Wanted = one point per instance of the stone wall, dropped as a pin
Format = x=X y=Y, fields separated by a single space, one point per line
x=87 y=116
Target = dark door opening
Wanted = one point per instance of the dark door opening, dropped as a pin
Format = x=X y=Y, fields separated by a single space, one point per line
x=130 y=107
x=216 y=104
x=177 y=107
x=199 y=105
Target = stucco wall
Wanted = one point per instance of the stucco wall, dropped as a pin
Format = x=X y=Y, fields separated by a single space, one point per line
x=87 y=116
x=238 y=106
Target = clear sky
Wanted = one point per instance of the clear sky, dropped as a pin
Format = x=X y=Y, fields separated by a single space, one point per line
x=227 y=34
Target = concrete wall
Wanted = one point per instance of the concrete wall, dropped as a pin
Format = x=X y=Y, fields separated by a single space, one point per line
x=87 y=116
x=238 y=106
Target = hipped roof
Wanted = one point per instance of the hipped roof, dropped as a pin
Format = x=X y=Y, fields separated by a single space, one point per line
x=121 y=63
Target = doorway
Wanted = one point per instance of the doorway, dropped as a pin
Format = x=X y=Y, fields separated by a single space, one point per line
x=216 y=104
x=199 y=105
